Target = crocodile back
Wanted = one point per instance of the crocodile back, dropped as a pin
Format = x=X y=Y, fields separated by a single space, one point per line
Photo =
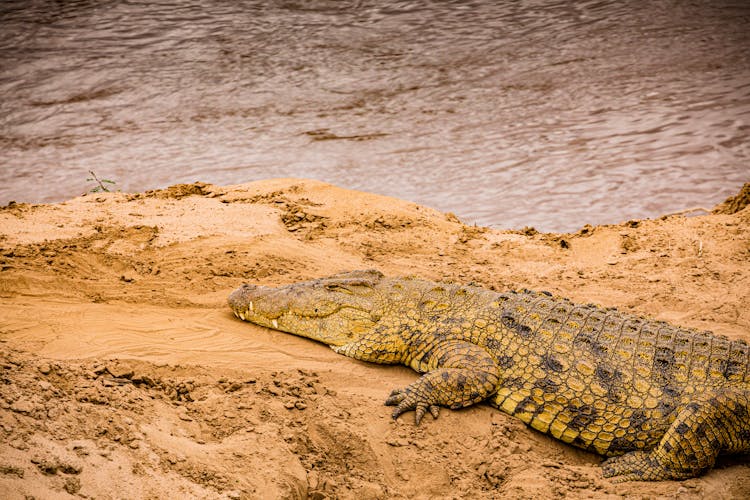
x=599 y=378
x=655 y=350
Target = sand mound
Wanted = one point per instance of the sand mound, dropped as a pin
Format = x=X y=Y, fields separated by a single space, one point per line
x=735 y=203
x=124 y=370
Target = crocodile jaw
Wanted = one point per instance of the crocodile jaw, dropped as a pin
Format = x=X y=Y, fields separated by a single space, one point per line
x=310 y=309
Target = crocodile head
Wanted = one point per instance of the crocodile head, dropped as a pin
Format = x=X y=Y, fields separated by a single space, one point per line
x=335 y=310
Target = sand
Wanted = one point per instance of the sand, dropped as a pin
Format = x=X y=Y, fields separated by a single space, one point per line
x=125 y=375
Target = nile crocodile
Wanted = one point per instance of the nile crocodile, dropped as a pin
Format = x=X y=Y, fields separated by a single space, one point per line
x=661 y=401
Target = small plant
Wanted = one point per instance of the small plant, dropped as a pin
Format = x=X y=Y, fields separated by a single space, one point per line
x=100 y=187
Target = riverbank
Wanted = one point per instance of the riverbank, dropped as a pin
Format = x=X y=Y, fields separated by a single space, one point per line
x=125 y=371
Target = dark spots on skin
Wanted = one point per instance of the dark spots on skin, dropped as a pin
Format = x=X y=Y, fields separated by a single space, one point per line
x=583 y=416
x=731 y=368
x=474 y=396
x=527 y=405
x=552 y=363
x=540 y=409
x=611 y=380
x=493 y=344
x=682 y=340
x=681 y=428
x=622 y=445
x=510 y=322
x=580 y=422
x=425 y=357
x=668 y=447
x=446 y=376
x=637 y=419
x=670 y=391
x=744 y=435
x=605 y=375
x=587 y=340
x=578 y=441
x=664 y=356
x=505 y=362
x=740 y=411
x=381 y=353
x=514 y=383
x=545 y=292
x=664 y=360
x=700 y=429
x=666 y=407
x=587 y=409
x=523 y=330
x=547 y=385
x=599 y=349
x=692 y=406
x=460 y=382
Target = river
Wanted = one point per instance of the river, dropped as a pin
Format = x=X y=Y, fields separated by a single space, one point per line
x=550 y=114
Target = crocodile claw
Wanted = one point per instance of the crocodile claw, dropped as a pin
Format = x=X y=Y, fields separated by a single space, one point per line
x=405 y=400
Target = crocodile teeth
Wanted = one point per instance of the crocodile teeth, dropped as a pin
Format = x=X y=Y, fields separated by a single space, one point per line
x=236 y=314
x=275 y=323
x=250 y=307
x=242 y=317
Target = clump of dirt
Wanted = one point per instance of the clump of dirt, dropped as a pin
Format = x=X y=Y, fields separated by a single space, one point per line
x=298 y=218
x=179 y=191
x=735 y=203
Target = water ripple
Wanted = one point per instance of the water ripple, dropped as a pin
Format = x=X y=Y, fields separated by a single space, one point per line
x=536 y=112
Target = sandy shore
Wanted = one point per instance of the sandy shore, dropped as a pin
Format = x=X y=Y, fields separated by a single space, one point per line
x=126 y=376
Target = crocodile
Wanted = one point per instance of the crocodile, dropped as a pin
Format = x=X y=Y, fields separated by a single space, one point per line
x=659 y=401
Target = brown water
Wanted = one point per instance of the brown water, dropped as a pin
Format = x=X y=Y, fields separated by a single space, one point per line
x=542 y=113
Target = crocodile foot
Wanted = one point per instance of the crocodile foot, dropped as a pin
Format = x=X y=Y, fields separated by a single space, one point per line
x=408 y=399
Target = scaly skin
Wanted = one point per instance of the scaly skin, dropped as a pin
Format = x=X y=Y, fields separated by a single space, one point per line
x=661 y=401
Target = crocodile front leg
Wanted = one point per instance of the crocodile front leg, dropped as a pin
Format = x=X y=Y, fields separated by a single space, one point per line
x=457 y=374
x=717 y=422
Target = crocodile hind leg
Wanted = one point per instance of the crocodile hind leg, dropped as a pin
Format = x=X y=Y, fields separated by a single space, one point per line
x=717 y=422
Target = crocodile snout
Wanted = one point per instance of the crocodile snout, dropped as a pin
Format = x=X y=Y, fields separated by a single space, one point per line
x=241 y=300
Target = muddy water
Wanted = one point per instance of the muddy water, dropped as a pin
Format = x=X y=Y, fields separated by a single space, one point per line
x=541 y=113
